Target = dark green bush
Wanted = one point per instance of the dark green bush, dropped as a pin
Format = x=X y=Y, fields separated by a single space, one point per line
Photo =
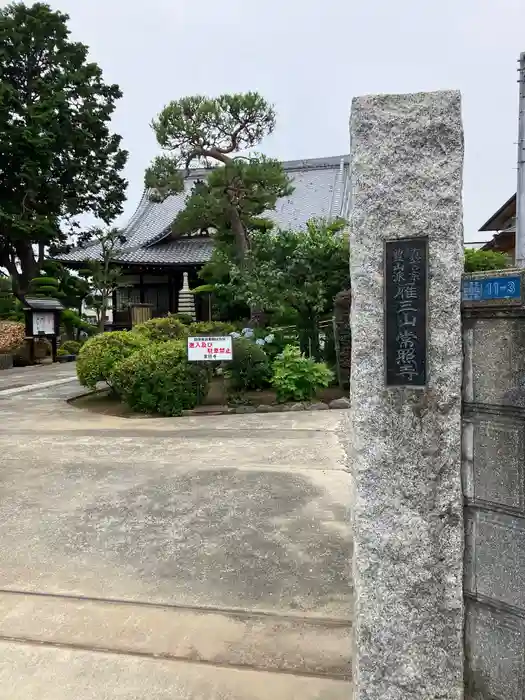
x=298 y=378
x=478 y=260
x=211 y=328
x=157 y=330
x=72 y=323
x=159 y=379
x=99 y=354
x=249 y=369
x=71 y=347
x=186 y=319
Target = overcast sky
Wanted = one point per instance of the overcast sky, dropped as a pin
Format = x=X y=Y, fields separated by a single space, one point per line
x=310 y=57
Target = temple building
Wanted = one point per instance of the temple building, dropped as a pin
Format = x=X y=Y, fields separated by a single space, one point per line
x=154 y=262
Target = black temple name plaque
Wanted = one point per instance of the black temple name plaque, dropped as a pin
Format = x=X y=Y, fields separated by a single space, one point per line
x=406 y=265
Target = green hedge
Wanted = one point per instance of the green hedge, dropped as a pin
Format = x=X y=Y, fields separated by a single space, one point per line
x=159 y=379
x=71 y=347
x=99 y=354
x=157 y=330
x=211 y=328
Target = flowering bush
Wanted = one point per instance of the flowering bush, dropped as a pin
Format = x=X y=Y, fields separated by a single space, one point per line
x=272 y=341
x=99 y=354
x=298 y=378
x=249 y=368
x=159 y=379
x=12 y=336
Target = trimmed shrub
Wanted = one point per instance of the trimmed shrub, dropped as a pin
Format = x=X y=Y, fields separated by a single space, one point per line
x=211 y=328
x=159 y=379
x=99 y=354
x=298 y=378
x=157 y=330
x=249 y=369
x=70 y=347
x=186 y=319
x=12 y=336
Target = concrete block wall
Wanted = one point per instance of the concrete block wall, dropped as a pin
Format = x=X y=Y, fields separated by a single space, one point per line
x=493 y=472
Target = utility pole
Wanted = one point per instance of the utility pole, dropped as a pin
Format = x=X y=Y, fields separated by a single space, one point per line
x=520 y=192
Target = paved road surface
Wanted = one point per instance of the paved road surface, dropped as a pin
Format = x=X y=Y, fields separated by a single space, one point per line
x=169 y=558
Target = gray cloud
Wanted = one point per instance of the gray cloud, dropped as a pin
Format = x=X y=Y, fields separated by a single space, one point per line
x=310 y=57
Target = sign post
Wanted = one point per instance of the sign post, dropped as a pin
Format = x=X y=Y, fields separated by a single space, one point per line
x=406 y=312
x=42 y=317
x=404 y=430
x=210 y=348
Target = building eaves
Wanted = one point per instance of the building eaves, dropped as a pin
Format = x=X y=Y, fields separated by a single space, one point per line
x=497 y=221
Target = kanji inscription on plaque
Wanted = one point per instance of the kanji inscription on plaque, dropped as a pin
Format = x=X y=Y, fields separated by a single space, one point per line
x=406 y=264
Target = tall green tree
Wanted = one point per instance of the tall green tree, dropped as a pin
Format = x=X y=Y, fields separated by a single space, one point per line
x=296 y=274
x=103 y=275
x=58 y=157
x=200 y=131
x=55 y=280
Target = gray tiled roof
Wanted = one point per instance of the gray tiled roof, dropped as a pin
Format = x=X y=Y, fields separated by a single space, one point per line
x=185 y=250
x=43 y=303
x=320 y=191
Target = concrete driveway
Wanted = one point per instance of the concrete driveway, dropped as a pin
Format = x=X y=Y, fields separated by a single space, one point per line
x=203 y=557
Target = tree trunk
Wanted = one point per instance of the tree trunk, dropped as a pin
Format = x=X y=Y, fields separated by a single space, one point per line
x=102 y=319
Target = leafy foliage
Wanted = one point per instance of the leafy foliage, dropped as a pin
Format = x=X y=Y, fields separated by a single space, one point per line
x=298 y=378
x=186 y=319
x=12 y=336
x=99 y=354
x=58 y=157
x=478 y=260
x=157 y=330
x=249 y=368
x=272 y=341
x=211 y=328
x=73 y=323
x=296 y=271
x=56 y=281
x=102 y=275
x=44 y=287
x=203 y=131
x=71 y=347
x=159 y=379
x=10 y=306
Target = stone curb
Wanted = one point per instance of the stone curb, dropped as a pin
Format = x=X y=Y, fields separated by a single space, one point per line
x=337 y=404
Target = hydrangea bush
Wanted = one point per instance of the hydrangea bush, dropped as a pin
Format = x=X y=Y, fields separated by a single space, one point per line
x=298 y=378
x=249 y=369
x=270 y=340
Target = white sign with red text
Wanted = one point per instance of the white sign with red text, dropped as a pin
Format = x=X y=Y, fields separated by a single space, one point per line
x=205 y=348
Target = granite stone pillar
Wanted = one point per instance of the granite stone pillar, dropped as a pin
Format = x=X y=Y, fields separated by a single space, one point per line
x=405 y=439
